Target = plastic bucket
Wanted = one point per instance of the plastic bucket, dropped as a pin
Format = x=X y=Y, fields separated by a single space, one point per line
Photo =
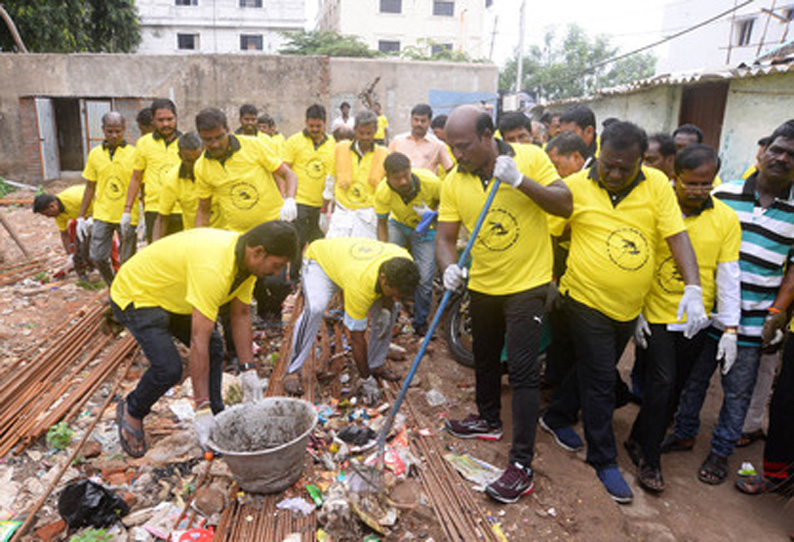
x=264 y=443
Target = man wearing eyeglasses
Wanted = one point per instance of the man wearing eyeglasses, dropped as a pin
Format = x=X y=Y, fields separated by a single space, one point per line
x=665 y=355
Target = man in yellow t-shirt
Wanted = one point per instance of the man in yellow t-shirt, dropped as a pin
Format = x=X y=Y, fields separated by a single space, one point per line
x=509 y=278
x=65 y=208
x=664 y=355
x=174 y=288
x=372 y=277
x=357 y=172
x=237 y=173
x=248 y=121
x=382 y=133
x=407 y=209
x=107 y=174
x=266 y=125
x=310 y=154
x=156 y=153
x=620 y=212
x=179 y=189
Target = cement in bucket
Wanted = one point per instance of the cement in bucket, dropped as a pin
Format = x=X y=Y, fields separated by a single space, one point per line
x=264 y=443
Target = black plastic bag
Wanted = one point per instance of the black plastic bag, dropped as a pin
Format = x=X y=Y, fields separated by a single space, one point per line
x=86 y=503
x=356 y=434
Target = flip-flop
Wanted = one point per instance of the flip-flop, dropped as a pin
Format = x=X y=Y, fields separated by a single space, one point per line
x=714 y=470
x=755 y=485
x=124 y=425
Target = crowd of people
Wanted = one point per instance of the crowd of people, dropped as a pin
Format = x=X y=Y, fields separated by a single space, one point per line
x=600 y=238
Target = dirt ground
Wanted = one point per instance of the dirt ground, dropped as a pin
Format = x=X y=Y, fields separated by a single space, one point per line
x=568 y=503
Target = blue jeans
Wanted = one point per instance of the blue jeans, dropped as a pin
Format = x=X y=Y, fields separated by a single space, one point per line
x=153 y=329
x=737 y=387
x=422 y=248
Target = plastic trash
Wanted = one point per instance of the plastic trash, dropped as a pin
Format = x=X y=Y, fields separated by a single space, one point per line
x=435 y=398
x=87 y=503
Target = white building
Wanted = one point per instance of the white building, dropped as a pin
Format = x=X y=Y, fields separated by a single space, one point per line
x=216 y=26
x=390 y=26
x=737 y=37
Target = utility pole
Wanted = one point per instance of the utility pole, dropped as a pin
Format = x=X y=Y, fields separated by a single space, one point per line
x=493 y=36
x=520 y=63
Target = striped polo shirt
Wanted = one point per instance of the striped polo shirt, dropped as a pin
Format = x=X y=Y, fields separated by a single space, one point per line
x=767 y=239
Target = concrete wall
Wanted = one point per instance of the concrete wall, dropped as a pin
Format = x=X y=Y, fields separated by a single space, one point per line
x=754 y=108
x=281 y=85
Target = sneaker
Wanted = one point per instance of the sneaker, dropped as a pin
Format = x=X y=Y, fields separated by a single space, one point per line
x=615 y=485
x=474 y=427
x=566 y=437
x=514 y=482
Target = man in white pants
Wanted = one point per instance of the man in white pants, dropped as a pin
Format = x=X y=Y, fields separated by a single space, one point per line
x=373 y=277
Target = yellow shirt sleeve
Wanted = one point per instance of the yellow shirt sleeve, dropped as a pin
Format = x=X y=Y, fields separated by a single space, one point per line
x=268 y=155
x=90 y=172
x=448 y=208
x=382 y=197
x=139 y=162
x=729 y=250
x=204 y=187
x=204 y=292
x=669 y=213
x=291 y=148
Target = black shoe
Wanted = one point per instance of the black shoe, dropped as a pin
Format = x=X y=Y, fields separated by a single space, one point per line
x=635 y=451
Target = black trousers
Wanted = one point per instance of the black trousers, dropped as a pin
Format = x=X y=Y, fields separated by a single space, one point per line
x=665 y=365
x=598 y=343
x=779 y=448
x=174 y=224
x=517 y=320
x=308 y=226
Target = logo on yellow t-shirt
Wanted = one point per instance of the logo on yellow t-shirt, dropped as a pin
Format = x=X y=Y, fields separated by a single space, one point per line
x=315 y=169
x=357 y=193
x=500 y=230
x=244 y=195
x=627 y=248
x=115 y=189
x=366 y=250
x=669 y=278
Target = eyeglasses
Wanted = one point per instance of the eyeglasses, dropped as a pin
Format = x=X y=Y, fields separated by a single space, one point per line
x=698 y=187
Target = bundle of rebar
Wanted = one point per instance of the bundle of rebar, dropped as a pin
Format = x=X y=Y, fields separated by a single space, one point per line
x=54 y=381
x=15 y=272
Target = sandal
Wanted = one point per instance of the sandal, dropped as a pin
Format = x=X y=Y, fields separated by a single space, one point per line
x=293 y=384
x=755 y=485
x=650 y=476
x=386 y=374
x=748 y=438
x=714 y=469
x=123 y=426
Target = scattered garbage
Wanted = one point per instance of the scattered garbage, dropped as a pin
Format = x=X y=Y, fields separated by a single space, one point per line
x=474 y=470
x=435 y=398
x=88 y=503
x=747 y=469
x=296 y=505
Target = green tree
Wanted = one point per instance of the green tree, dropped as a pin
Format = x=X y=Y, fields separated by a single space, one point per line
x=423 y=50
x=325 y=43
x=574 y=66
x=73 y=26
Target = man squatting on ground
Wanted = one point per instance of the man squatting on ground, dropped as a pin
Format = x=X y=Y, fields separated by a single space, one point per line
x=65 y=208
x=174 y=288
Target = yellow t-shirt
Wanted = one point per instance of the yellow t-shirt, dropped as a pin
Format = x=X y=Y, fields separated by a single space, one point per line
x=361 y=191
x=182 y=192
x=112 y=177
x=154 y=157
x=71 y=199
x=513 y=249
x=610 y=263
x=243 y=186
x=276 y=140
x=716 y=236
x=352 y=263
x=388 y=202
x=383 y=123
x=311 y=164
x=187 y=270
x=749 y=171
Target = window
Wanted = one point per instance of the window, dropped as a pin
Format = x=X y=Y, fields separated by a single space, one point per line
x=186 y=2
x=788 y=14
x=387 y=46
x=391 y=6
x=187 y=41
x=744 y=32
x=250 y=3
x=251 y=42
x=442 y=7
x=440 y=48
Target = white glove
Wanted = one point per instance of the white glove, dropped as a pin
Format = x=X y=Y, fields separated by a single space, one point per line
x=692 y=304
x=642 y=332
x=289 y=211
x=125 y=223
x=82 y=229
x=369 y=391
x=69 y=262
x=252 y=386
x=204 y=423
x=90 y=223
x=324 y=221
x=506 y=171
x=420 y=210
x=454 y=276
x=726 y=351
x=328 y=189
